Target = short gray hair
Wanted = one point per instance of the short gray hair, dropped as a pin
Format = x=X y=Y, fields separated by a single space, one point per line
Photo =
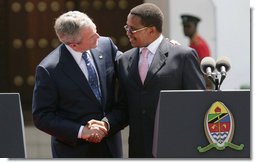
x=68 y=26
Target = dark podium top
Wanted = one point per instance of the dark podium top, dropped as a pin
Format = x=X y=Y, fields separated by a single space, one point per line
x=179 y=123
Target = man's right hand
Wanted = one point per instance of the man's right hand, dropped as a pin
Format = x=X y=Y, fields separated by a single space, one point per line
x=94 y=131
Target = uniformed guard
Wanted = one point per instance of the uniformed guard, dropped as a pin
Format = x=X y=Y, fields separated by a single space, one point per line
x=190 y=23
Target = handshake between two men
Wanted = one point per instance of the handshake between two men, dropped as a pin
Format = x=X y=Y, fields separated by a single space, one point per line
x=95 y=131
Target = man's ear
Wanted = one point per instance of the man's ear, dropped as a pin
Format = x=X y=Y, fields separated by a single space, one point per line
x=73 y=46
x=152 y=30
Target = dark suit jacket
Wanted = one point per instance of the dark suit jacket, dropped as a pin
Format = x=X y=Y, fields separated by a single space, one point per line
x=174 y=67
x=63 y=100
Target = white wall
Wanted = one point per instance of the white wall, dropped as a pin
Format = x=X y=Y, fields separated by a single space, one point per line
x=252 y=2
x=164 y=6
x=201 y=8
x=233 y=39
x=226 y=27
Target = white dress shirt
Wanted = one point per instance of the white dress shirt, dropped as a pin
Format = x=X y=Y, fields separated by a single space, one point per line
x=81 y=63
x=152 y=50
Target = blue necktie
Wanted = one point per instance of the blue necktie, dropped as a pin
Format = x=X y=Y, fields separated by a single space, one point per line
x=92 y=76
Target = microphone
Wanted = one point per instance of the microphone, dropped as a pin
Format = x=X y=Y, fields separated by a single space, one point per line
x=207 y=66
x=223 y=66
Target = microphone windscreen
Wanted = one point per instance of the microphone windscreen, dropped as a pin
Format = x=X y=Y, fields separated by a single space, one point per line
x=223 y=61
x=207 y=62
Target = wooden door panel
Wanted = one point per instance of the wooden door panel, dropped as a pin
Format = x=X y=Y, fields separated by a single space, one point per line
x=27 y=35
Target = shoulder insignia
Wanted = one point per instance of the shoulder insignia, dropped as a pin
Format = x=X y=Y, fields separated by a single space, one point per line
x=219 y=128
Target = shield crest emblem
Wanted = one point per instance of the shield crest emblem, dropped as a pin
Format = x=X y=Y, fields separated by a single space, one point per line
x=219 y=124
x=219 y=128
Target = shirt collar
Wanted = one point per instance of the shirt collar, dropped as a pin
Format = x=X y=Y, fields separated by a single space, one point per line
x=154 y=45
x=76 y=55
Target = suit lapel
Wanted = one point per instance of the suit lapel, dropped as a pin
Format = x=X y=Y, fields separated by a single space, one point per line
x=133 y=66
x=73 y=71
x=158 y=61
x=99 y=61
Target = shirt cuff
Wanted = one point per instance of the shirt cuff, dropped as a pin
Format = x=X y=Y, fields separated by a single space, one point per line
x=80 y=132
x=106 y=121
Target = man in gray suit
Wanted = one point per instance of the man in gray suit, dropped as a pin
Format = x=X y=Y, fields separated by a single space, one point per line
x=154 y=64
x=74 y=84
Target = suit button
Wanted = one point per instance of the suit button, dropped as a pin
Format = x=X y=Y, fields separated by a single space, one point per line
x=143 y=111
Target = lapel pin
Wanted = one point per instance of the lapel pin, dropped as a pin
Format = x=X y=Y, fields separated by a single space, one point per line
x=100 y=57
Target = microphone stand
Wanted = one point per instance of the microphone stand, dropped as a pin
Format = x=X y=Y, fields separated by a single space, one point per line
x=216 y=80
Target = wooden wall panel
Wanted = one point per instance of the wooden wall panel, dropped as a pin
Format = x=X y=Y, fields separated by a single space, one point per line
x=3 y=47
x=27 y=35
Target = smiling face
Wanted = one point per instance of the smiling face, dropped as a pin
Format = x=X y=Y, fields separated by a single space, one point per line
x=142 y=37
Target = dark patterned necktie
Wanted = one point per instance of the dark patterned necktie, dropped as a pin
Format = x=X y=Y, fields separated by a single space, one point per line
x=92 y=76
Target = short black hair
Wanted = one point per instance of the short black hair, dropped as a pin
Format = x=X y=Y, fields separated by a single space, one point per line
x=150 y=14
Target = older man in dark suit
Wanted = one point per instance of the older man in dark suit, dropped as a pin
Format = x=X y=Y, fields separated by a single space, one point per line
x=74 y=84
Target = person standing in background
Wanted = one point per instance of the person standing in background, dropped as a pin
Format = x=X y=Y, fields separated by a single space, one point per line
x=190 y=24
x=74 y=84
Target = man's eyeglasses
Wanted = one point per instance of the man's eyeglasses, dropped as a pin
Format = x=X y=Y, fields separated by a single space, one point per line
x=132 y=31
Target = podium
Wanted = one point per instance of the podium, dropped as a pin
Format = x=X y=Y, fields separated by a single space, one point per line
x=180 y=126
x=12 y=139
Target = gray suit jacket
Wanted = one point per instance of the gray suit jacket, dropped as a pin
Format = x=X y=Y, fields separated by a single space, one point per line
x=63 y=101
x=174 y=67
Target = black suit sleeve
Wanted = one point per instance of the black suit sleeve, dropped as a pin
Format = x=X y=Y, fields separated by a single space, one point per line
x=192 y=75
x=118 y=117
x=44 y=110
